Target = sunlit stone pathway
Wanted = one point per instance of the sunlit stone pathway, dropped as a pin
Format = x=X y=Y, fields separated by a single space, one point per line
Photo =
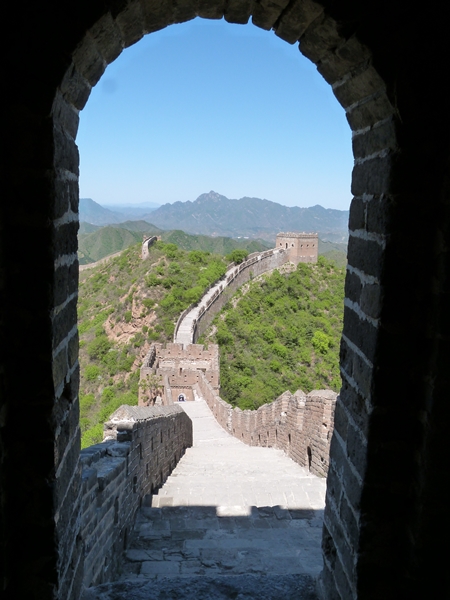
x=184 y=334
x=232 y=521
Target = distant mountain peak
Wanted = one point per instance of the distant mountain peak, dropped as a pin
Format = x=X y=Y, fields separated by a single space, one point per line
x=214 y=214
x=212 y=196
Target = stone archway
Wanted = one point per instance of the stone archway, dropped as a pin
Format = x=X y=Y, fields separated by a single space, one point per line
x=394 y=383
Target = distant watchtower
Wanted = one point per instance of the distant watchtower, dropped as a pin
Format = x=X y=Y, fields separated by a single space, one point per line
x=301 y=247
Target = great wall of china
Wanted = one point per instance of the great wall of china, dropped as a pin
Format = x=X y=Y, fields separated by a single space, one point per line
x=301 y=425
x=142 y=445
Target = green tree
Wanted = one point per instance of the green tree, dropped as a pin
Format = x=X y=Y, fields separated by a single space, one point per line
x=237 y=256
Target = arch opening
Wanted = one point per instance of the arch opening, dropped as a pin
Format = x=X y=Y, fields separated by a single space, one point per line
x=376 y=287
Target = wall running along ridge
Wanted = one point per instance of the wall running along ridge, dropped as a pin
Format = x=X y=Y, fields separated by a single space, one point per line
x=236 y=275
x=147 y=243
x=141 y=448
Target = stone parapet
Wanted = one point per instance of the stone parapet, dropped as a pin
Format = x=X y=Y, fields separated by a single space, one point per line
x=299 y=424
x=147 y=242
x=141 y=447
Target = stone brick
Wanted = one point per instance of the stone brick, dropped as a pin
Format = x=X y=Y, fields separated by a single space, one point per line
x=88 y=61
x=342 y=582
x=355 y=404
x=373 y=176
x=211 y=10
x=65 y=115
x=356 y=449
x=327 y=582
x=349 y=55
x=238 y=12
x=350 y=484
x=265 y=14
x=357 y=217
x=66 y=196
x=379 y=213
x=334 y=486
x=368 y=113
x=320 y=37
x=157 y=14
x=340 y=420
x=358 y=86
x=73 y=350
x=65 y=239
x=66 y=152
x=130 y=21
x=75 y=88
x=370 y=300
x=382 y=136
x=329 y=549
x=107 y=37
x=296 y=18
x=365 y=255
x=64 y=321
x=59 y=367
x=61 y=287
x=353 y=287
x=362 y=374
x=362 y=333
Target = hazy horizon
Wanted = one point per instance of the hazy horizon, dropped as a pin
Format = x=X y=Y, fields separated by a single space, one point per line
x=149 y=203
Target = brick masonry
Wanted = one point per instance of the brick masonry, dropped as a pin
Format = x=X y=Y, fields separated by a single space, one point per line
x=299 y=424
x=141 y=447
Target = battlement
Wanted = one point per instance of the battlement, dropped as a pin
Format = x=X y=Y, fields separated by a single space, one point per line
x=301 y=247
x=178 y=367
x=297 y=234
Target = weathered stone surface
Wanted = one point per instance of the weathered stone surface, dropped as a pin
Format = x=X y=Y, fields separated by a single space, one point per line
x=117 y=475
x=244 y=587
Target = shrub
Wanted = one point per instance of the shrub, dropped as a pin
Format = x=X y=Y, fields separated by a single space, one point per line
x=91 y=436
x=98 y=347
x=237 y=256
x=321 y=342
x=148 y=303
x=91 y=372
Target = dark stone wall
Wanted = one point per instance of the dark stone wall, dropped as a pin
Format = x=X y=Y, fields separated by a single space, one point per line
x=388 y=65
x=141 y=448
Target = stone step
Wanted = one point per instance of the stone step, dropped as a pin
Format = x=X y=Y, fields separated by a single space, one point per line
x=231 y=587
x=215 y=541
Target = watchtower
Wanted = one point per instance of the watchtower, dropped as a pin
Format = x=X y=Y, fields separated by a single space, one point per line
x=301 y=247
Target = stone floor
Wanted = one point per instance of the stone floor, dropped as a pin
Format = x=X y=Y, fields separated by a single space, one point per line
x=231 y=515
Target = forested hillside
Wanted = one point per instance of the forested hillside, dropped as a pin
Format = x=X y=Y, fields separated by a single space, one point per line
x=281 y=332
x=123 y=306
x=96 y=242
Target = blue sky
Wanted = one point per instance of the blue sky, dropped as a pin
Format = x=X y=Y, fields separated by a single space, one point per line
x=207 y=105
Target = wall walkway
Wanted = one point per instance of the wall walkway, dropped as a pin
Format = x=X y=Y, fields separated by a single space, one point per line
x=299 y=424
x=228 y=514
x=194 y=321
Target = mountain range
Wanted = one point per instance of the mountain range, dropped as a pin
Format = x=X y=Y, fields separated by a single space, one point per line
x=216 y=215
x=96 y=242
